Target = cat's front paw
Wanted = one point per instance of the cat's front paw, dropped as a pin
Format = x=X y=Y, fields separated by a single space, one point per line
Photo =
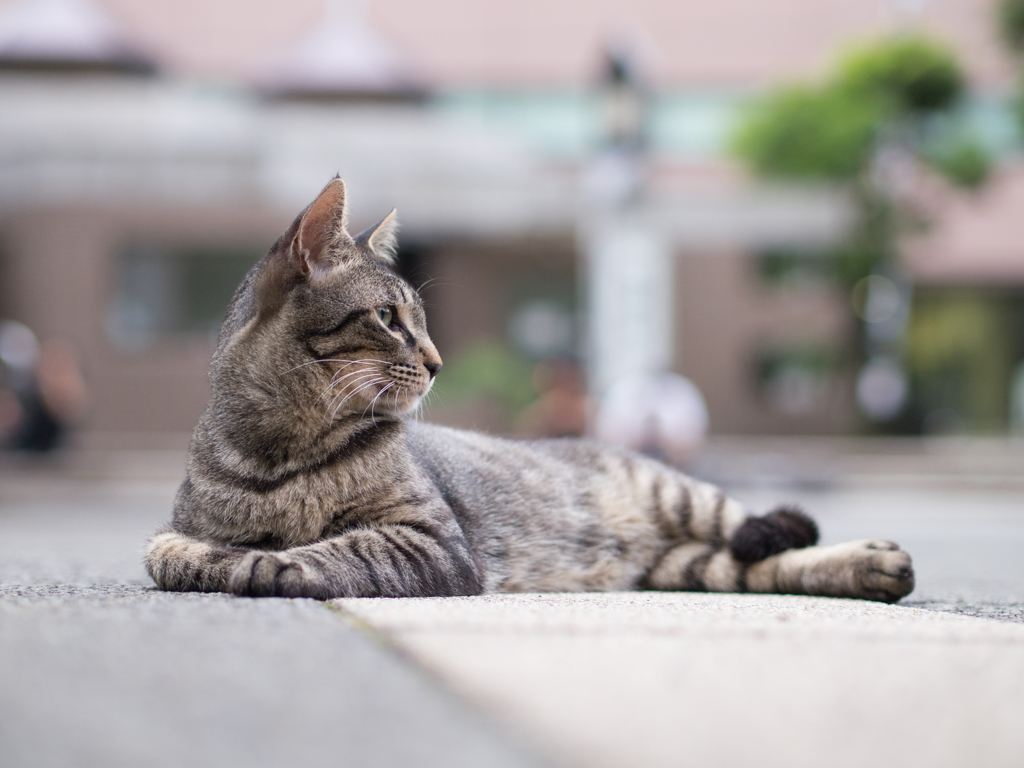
x=873 y=569
x=271 y=574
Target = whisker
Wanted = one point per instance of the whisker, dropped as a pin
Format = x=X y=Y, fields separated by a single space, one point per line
x=382 y=391
x=362 y=367
x=356 y=392
x=400 y=390
x=429 y=399
x=372 y=402
x=358 y=382
x=430 y=281
x=335 y=381
x=421 y=405
x=332 y=360
x=344 y=390
x=334 y=384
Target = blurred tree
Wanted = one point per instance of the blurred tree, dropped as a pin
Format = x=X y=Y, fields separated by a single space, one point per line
x=910 y=73
x=490 y=371
x=809 y=133
x=1011 y=28
x=1011 y=24
x=883 y=95
x=962 y=160
x=870 y=126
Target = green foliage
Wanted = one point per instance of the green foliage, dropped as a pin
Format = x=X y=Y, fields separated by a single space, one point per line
x=780 y=267
x=869 y=244
x=961 y=353
x=1011 y=28
x=1011 y=23
x=492 y=371
x=911 y=73
x=812 y=358
x=828 y=132
x=808 y=133
x=898 y=94
x=963 y=162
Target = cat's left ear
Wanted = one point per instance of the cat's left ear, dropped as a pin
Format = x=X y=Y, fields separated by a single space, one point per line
x=322 y=231
x=381 y=240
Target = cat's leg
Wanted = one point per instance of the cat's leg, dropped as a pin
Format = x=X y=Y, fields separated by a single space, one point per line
x=685 y=509
x=379 y=561
x=715 y=537
x=180 y=563
x=867 y=569
x=705 y=521
x=775 y=555
x=724 y=549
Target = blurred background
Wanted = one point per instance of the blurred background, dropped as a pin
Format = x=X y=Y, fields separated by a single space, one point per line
x=782 y=217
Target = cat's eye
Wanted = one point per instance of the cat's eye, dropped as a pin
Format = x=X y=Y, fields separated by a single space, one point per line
x=386 y=316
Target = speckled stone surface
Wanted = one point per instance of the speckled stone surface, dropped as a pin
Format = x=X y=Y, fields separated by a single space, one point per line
x=99 y=669
x=627 y=679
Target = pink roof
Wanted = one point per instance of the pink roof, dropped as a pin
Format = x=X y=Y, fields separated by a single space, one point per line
x=342 y=52
x=977 y=238
x=61 y=30
x=735 y=43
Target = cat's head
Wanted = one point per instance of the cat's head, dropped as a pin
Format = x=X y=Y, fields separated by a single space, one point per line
x=322 y=329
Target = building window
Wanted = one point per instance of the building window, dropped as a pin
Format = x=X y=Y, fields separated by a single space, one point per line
x=166 y=291
x=797 y=380
x=782 y=268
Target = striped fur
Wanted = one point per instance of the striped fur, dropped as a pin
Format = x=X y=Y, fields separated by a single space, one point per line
x=305 y=479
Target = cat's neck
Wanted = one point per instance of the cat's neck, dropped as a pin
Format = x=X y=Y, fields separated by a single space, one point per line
x=272 y=448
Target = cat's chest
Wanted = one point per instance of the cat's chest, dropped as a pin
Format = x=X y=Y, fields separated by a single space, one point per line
x=318 y=504
x=304 y=509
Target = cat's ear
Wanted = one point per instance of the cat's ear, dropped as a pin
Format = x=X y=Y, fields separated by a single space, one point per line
x=381 y=240
x=322 y=232
x=311 y=245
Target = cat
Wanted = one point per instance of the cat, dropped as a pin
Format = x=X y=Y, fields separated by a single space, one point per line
x=306 y=479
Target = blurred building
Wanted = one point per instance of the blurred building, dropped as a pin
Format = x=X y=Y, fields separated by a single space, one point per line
x=150 y=151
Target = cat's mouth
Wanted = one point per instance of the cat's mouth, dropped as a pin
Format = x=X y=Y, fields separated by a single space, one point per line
x=407 y=397
x=371 y=388
x=407 y=387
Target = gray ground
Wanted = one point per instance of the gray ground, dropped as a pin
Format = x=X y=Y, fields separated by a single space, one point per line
x=97 y=668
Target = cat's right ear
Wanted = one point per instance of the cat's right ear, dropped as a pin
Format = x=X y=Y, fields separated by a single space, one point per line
x=381 y=240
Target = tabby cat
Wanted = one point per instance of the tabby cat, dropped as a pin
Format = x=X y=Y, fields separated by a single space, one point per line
x=305 y=479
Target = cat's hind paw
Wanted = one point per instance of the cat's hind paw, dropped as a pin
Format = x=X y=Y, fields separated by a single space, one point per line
x=873 y=569
x=886 y=572
x=867 y=569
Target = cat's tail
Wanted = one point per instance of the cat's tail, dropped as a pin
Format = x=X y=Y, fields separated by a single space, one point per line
x=758 y=538
x=180 y=563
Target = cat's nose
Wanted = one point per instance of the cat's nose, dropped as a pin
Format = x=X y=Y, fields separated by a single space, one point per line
x=432 y=368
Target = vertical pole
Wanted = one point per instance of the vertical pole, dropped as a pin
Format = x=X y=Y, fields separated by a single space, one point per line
x=629 y=303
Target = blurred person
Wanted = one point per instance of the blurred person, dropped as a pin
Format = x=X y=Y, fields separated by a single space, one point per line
x=663 y=416
x=562 y=408
x=42 y=392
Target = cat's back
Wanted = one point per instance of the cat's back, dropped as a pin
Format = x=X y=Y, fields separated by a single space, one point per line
x=451 y=453
x=485 y=477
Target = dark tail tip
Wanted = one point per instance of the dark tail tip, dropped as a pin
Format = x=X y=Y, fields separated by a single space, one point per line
x=781 y=529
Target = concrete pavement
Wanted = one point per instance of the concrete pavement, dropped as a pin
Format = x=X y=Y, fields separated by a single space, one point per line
x=100 y=669
x=96 y=668
x=125 y=676
x=662 y=680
